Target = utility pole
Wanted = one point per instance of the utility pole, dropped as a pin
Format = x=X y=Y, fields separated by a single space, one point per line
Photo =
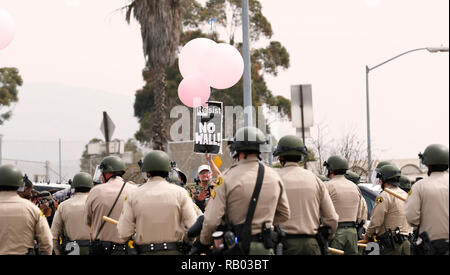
x=248 y=114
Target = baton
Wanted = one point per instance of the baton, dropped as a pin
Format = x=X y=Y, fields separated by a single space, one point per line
x=335 y=251
x=111 y=221
x=395 y=195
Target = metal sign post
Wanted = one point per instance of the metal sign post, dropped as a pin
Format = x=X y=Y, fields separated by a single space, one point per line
x=302 y=111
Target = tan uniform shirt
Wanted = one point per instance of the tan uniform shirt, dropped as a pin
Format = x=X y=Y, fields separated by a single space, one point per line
x=98 y=204
x=232 y=199
x=69 y=220
x=364 y=212
x=308 y=201
x=346 y=198
x=427 y=205
x=158 y=212
x=388 y=213
x=21 y=222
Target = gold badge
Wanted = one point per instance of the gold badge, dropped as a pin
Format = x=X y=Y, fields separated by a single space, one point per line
x=126 y=198
x=213 y=193
x=219 y=181
x=42 y=213
x=410 y=193
x=379 y=200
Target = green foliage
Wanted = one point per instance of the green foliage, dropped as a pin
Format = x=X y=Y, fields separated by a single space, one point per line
x=267 y=60
x=10 y=79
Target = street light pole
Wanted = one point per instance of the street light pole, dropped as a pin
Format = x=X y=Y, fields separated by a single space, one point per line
x=369 y=150
x=368 y=70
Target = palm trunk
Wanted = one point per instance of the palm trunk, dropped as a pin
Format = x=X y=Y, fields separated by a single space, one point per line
x=159 y=93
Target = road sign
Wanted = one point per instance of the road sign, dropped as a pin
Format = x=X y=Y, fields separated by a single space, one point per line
x=110 y=127
x=301 y=104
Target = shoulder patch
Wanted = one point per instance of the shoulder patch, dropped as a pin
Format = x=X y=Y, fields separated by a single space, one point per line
x=379 y=200
x=41 y=213
x=219 y=181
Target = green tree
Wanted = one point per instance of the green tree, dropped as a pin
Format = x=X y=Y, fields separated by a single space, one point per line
x=265 y=61
x=10 y=79
x=161 y=26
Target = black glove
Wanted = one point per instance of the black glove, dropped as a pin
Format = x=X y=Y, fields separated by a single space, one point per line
x=195 y=229
x=199 y=248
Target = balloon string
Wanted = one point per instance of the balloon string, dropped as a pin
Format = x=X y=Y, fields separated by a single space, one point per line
x=212 y=19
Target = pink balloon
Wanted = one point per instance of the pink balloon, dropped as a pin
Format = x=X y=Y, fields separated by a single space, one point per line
x=193 y=55
x=224 y=66
x=6 y=29
x=194 y=91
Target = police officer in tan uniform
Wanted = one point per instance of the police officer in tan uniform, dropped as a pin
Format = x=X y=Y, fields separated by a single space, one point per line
x=427 y=204
x=231 y=200
x=356 y=179
x=68 y=227
x=21 y=222
x=105 y=238
x=159 y=213
x=347 y=201
x=388 y=222
x=308 y=197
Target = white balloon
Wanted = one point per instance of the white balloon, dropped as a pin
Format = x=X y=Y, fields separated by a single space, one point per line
x=193 y=55
x=224 y=66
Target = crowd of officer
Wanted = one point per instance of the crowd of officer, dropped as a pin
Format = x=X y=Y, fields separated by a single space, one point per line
x=251 y=209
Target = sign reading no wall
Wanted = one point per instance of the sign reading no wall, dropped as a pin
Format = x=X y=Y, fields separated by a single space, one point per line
x=208 y=128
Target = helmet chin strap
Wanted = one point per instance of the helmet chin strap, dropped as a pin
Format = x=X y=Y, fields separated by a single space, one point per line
x=106 y=179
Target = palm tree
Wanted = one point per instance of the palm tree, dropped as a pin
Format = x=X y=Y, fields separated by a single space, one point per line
x=161 y=26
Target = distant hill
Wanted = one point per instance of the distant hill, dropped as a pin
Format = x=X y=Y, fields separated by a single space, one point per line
x=47 y=112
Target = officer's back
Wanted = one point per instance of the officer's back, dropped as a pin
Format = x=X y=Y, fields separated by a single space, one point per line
x=345 y=196
x=21 y=222
x=428 y=203
x=100 y=202
x=347 y=201
x=68 y=223
x=240 y=183
x=308 y=200
x=158 y=213
x=232 y=199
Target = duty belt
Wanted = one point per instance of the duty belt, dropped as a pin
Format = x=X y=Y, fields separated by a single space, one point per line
x=402 y=237
x=82 y=242
x=113 y=246
x=153 y=247
x=347 y=224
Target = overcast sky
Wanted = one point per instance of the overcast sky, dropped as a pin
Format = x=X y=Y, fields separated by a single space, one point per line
x=88 y=44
